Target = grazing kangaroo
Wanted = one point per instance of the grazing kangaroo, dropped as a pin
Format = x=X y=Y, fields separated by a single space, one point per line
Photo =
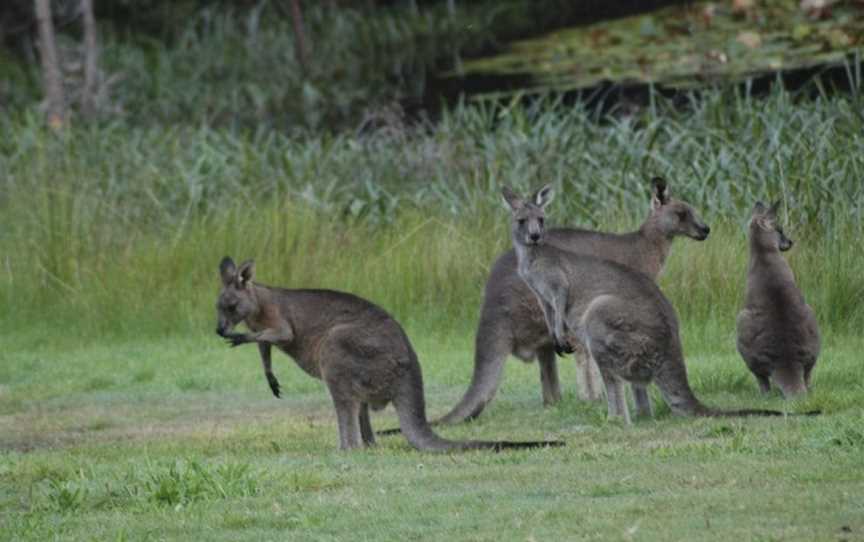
x=511 y=321
x=778 y=336
x=625 y=322
x=358 y=350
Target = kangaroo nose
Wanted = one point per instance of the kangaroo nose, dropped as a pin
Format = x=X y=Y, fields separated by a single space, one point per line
x=707 y=229
x=535 y=236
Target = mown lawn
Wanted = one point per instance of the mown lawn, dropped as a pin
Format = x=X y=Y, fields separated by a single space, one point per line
x=180 y=439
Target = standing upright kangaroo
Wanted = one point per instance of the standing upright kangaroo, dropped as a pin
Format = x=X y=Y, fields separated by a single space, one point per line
x=358 y=350
x=511 y=321
x=620 y=315
x=778 y=336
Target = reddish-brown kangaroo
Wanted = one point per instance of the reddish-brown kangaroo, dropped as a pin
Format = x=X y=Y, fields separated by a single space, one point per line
x=358 y=350
x=778 y=336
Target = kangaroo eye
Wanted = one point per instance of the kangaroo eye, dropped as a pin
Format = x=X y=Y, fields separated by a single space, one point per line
x=521 y=221
x=682 y=215
x=540 y=220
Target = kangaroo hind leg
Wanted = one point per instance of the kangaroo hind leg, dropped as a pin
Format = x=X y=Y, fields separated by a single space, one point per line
x=588 y=379
x=348 y=418
x=551 y=387
x=616 y=397
x=642 y=400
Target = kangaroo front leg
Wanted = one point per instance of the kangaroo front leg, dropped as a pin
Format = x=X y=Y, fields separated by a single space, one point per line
x=555 y=325
x=280 y=335
x=264 y=350
x=366 y=431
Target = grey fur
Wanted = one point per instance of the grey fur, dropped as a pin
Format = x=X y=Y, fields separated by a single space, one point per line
x=620 y=315
x=511 y=321
x=358 y=350
x=778 y=336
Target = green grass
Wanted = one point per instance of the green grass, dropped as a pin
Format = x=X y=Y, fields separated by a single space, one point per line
x=122 y=416
x=410 y=216
x=157 y=458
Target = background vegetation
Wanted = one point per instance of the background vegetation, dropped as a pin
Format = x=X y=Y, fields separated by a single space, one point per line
x=122 y=416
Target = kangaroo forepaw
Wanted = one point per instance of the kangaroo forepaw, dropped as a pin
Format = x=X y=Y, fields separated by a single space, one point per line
x=236 y=339
x=274 y=384
x=563 y=348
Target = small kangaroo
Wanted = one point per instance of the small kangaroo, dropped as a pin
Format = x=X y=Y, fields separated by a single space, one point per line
x=511 y=321
x=358 y=350
x=625 y=322
x=778 y=336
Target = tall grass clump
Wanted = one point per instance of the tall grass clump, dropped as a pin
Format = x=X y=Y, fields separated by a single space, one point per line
x=114 y=229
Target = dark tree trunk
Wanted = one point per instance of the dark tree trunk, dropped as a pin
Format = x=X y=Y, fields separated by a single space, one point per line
x=91 y=56
x=300 y=48
x=56 y=114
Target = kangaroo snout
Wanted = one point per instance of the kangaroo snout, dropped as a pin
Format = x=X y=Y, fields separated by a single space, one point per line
x=222 y=328
x=702 y=232
x=534 y=237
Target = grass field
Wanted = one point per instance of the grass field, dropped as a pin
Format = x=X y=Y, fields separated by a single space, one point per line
x=180 y=439
x=123 y=416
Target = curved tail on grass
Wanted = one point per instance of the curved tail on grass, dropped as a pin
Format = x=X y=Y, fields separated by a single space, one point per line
x=716 y=413
x=411 y=409
x=490 y=352
x=676 y=391
x=489 y=361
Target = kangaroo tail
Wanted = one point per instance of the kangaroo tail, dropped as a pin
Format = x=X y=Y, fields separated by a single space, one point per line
x=410 y=406
x=490 y=353
x=500 y=445
x=489 y=357
x=714 y=413
x=411 y=409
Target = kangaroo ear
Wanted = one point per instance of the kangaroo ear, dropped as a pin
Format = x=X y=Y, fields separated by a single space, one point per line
x=227 y=270
x=511 y=199
x=763 y=217
x=246 y=273
x=542 y=197
x=774 y=208
x=659 y=192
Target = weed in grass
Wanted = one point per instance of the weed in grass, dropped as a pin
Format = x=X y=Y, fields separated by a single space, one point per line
x=98 y=424
x=143 y=376
x=614 y=489
x=66 y=496
x=184 y=482
x=99 y=383
x=194 y=384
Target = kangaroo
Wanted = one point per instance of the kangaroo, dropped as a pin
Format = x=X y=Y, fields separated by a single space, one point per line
x=625 y=322
x=511 y=321
x=778 y=336
x=358 y=350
